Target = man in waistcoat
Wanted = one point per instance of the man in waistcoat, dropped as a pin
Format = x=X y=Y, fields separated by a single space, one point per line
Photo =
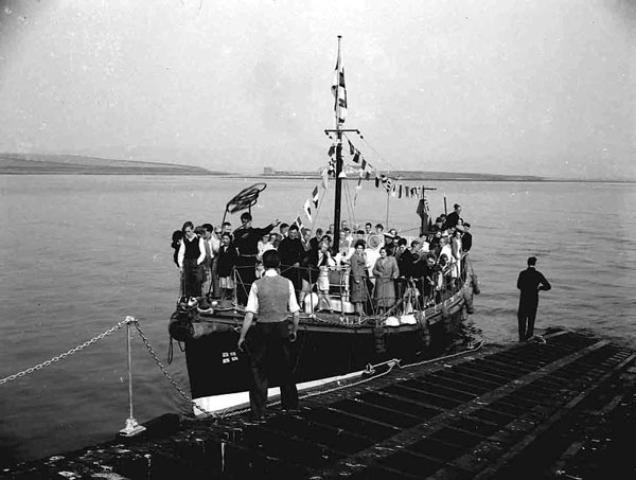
x=189 y=259
x=246 y=240
x=268 y=345
x=530 y=282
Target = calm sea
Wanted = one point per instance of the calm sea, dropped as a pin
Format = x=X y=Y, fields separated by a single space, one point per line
x=79 y=253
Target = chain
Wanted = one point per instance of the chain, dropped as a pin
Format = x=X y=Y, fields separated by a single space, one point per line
x=163 y=369
x=72 y=351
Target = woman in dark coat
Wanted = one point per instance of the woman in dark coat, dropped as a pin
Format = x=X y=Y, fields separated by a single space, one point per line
x=359 y=276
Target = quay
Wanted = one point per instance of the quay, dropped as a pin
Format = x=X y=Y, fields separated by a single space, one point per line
x=563 y=409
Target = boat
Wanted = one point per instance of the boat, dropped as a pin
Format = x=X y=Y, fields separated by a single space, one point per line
x=331 y=345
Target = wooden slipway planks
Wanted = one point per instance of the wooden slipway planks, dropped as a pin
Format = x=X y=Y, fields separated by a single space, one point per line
x=553 y=410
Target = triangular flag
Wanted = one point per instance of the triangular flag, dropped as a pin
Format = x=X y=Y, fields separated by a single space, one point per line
x=315 y=196
x=332 y=150
x=299 y=222
x=325 y=178
x=307 y=209
x=377 y=182
x=400 y=192
x=363 y=165
x=356 y=157
x=406 y=191
x=352 y=149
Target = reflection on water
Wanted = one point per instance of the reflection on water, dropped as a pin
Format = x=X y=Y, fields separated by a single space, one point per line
x=80 y=252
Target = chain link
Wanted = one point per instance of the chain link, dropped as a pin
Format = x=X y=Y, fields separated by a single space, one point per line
x=72 y=351
x=163 y=369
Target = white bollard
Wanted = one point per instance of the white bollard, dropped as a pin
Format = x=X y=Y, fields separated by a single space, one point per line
x=132 y=427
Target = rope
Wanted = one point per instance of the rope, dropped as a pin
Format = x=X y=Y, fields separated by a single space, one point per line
x=437 y=359
x=62 y=356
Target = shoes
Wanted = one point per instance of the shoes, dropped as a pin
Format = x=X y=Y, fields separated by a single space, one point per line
x=292 y=411
x=254 y=422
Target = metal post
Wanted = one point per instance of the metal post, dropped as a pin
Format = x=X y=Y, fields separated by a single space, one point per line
x=132 y=428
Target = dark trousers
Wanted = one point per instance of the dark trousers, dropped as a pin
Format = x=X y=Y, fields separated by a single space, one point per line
x=246 y=274
x=192 y=278
x=526 y=316
x=269 y=351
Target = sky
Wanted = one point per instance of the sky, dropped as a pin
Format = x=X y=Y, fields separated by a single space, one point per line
x=536 y=87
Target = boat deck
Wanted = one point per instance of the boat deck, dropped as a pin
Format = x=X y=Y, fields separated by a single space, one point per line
x=563 y=409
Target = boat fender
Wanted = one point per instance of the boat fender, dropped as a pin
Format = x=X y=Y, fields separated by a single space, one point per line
x=408 y=320
x=182 y=323
x=425 y=332
x=392 y=322
x=378 y=336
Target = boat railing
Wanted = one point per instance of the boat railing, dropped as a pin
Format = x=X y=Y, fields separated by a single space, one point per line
x=309 y=282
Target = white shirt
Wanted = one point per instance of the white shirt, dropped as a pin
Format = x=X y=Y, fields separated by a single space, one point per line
x=252 y=300
x=215 y=244
x=372 y=257
x=181 y=254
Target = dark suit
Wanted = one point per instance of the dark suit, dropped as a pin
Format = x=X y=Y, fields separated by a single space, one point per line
x=452 y=219
x=530 y=281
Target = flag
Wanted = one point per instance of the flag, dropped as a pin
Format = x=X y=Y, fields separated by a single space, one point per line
x=339 y=91
x=356 y=157
x=332 y=150
x=315 y=196
x=325 y=178
x=352 y=149
x=363 y=165
x=377 y=182
x=299 y=222
x=358 y=188
x=307 y=209
x=400 y=191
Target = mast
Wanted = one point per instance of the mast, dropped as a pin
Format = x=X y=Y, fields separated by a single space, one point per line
x=338 y=84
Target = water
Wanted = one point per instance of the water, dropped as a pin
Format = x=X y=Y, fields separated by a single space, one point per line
x=79 y=253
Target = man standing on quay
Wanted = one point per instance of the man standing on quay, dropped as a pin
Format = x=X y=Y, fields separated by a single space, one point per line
x=530 y=281
x=271 y=299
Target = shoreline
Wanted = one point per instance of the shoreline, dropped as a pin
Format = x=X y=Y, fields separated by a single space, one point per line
x=494 y=178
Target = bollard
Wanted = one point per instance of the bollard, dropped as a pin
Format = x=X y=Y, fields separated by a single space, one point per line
x=132 y=428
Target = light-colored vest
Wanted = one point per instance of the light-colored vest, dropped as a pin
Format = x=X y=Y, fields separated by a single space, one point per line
x=273 y=299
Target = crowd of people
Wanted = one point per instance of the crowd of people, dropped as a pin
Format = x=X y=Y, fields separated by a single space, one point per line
x=372 y=267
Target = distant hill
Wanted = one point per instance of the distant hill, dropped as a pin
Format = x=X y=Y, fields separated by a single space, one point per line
x=33 y=164
x=414 y=175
